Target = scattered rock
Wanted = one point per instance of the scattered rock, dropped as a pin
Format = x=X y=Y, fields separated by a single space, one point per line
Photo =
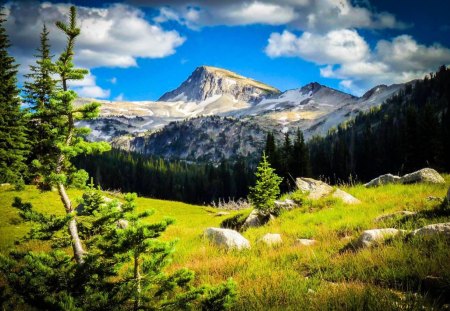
x=434 y=229
x=383 y=180
x=256 y=219
x=271 y=239
x=5 y=184
x=227 y=238
x=287 y=204
x=395 y=214
x=305 y=242
x=374 y=236
x=122 y=224
x=220 y=214
x=345 y=197
x=425 y=175
x=317 y=189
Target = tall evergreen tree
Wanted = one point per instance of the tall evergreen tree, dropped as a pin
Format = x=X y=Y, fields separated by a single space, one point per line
x=69 y=141
x=13 y=138
x=300 y=157
x=39 y=89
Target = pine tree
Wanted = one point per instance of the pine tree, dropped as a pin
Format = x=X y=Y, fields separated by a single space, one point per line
x=300 y=166
x=267 y=187
x=39 y=89
x=123 y=270
x=69 y=141
x=13 y=139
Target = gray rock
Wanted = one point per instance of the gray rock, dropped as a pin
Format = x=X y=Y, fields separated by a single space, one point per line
x=345 y=197
x=375 y=236
x=425 y=175
x=256 y=219
x=5 y=184
x=227 y=238
x=395 y=214
x=383 y=180
x=271 y=239
x=316 y=189
x=122 y=224
x=287 y=204
x=434 y=229
x=305 y=242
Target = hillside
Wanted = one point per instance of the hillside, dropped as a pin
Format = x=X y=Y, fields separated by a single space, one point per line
x=319 y=277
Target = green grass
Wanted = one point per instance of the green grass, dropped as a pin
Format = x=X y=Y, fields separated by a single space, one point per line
x=293 y=277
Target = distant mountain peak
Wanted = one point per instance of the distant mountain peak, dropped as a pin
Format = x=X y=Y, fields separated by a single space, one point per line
x=208 y=81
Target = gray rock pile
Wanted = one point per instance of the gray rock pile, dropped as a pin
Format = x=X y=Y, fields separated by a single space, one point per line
x=425 y=175
x=317 y=189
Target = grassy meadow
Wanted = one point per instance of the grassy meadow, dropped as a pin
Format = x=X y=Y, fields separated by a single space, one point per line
x=295 y=277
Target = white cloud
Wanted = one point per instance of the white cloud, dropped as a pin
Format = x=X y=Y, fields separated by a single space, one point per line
x=113 y=36
x=119 y=97
x=347 y=56
x=306 y=15
x=335 y=47
x=88 y=87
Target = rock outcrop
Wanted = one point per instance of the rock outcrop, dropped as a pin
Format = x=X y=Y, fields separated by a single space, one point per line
x=256 y=219
x=271 y=239
x=317 y=189
x=227 y=238
x=425 y=175
x=434 y=229
x=371 y=237
x=383 y=180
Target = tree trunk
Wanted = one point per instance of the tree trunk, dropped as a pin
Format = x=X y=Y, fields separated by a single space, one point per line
x=137 y=278
x=77 y=247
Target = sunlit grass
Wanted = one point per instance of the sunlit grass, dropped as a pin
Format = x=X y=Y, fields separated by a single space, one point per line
x=291 y=276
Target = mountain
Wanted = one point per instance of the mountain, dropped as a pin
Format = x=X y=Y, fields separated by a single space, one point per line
x=151 y=127
x=207 y=82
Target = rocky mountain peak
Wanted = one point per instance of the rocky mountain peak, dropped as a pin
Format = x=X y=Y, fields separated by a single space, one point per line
x=375 y=90
x=208 y=81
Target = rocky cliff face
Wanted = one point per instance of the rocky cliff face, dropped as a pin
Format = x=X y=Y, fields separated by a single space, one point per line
x=206 y=82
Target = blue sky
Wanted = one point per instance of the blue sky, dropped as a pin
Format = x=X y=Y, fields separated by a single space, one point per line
x=138 y=49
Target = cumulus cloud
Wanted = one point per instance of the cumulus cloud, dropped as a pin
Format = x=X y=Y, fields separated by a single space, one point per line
x=345 y=55
x=88 y=87
x=307 y=15
x=335 y=47
x=110 y=37
x=114 y=36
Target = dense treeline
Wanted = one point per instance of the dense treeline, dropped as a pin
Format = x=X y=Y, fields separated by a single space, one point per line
x=290 y=159
x=174 y=180
x=411 y=130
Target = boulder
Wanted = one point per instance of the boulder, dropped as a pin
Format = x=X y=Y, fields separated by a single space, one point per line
x=425 y=175
x=227 y=238
x=395 y=214
x=383 y=180
x=305 y=242
x=316 y=189
x=345 y=197
x=375 y=236
x=271 y=239
x=256 y=219
x=434 y=229
x=287 y=204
